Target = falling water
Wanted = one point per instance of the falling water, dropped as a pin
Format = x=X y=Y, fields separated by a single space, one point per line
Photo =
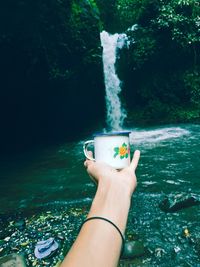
x=115 y=113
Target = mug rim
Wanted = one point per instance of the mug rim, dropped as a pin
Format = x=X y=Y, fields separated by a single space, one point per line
x=121 y=133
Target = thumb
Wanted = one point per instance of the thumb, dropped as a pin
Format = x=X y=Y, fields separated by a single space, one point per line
x=135 y=160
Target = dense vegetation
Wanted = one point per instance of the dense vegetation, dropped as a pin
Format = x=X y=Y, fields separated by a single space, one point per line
x=51 y=69
x=162 y=74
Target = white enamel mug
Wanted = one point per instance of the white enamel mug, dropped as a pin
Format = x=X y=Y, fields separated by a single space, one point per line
x=111 y=148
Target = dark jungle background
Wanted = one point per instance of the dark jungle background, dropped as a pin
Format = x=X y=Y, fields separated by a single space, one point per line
x=51 y=76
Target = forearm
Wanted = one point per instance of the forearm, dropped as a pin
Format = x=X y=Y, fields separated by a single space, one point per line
x=112 y=202
x=99 y=243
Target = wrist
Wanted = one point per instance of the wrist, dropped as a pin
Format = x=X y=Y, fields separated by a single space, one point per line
x=112 y=202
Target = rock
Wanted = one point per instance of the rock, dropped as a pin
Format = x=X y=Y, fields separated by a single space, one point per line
x=177 y=249
x=45 y=263
x=3 y=234
x=34 y=263
x=14 y=249
x=7 y=238
x=133 y=249
x=11 y=260
x=24 y=244
x=33 y=234
x=173 y=203
x=61 y=237
x=159 y=252
x=20 y=225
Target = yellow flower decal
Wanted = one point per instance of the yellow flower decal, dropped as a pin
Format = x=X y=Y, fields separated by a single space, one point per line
x=122 y=151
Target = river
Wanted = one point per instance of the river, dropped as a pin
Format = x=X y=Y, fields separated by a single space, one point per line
x=169 y=164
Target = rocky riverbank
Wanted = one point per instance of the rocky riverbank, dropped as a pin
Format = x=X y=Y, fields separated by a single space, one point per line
x=148 y=242
x=19 y=234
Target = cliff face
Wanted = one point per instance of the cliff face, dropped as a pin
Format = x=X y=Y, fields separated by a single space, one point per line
x=51 y=70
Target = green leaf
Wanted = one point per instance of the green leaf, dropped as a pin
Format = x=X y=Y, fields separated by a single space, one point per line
x=116 y=149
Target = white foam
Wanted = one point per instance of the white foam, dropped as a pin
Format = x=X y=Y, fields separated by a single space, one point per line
x=153 y=136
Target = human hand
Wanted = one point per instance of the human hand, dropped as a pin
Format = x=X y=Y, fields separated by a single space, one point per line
x=106 y=176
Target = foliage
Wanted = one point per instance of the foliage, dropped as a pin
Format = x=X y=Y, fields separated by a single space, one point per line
x=192 y=83
x=50 y=62
x=182 y=19
x=134 y=11
x=161 y=67
x=81 y=23
x=143 y=48
x=107 y=15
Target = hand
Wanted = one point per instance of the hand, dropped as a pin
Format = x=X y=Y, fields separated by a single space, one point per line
x=106 y=175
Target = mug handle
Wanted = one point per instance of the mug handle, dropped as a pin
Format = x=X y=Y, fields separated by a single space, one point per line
x=85 y=149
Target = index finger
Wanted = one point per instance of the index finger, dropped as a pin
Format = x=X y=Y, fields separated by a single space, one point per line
x=135 y=160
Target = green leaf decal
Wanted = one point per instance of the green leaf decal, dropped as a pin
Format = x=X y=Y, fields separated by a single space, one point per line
x=115 y=155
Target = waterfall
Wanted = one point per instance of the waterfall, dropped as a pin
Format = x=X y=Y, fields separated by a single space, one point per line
x=115 y=112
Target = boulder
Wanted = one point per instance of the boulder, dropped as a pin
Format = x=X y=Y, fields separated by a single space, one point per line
x=173 y=203
x=13 y=260
x=133 y=249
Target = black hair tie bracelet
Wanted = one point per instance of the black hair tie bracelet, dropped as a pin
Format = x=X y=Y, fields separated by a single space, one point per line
x=104 y=219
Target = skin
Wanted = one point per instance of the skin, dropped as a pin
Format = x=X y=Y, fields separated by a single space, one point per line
x=99 y=243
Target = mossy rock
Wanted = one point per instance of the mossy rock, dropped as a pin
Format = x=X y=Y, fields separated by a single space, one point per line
x=12 y=260
x=133 y=249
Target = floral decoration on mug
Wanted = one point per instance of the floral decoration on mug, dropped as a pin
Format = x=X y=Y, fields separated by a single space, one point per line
x=122 y=151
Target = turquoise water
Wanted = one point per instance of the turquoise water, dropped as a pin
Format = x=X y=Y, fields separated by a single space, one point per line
x=169 y=164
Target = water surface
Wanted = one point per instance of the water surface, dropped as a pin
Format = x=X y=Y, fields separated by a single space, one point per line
x=169 y=161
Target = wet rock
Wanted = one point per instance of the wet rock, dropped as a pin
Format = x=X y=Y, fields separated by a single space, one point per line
x=177 y=249
x=159 y=252
x=133 y=249
x=34 y=263
x=24 y=244
x=3 y=234
x=7 y=238
x=12 y=260
x=14 y=249
x=173 y=203
x=20 y=225
x=32 y=234
x=61 y=237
